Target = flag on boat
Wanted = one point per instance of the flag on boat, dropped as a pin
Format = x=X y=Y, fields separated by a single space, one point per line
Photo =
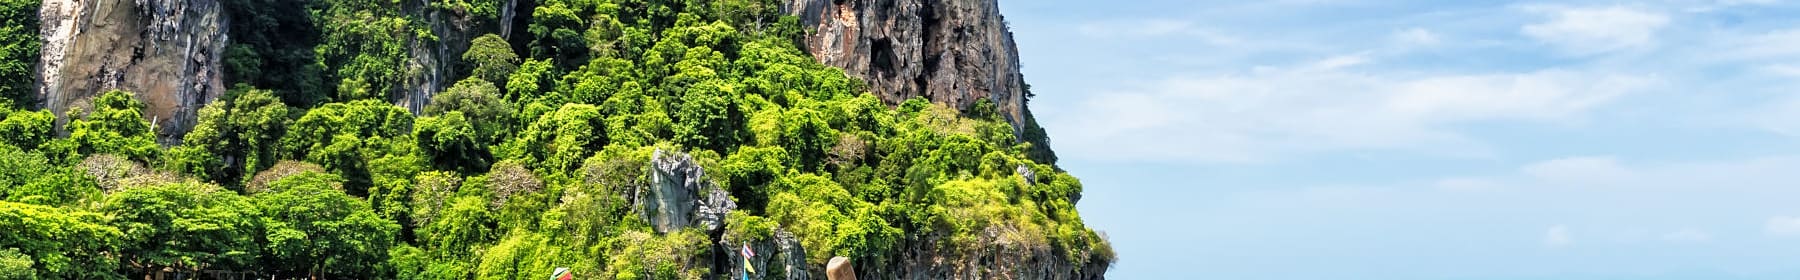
x=747 y=268
x=562 y=273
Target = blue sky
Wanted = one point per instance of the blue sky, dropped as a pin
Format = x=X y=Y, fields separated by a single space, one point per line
x=1321 y=139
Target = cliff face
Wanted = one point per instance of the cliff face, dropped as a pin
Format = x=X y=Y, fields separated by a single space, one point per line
x=950 y=51
x=436 y=60
x=167 y=51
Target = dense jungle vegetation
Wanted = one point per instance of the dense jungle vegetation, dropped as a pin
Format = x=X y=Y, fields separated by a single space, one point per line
x=526 y=163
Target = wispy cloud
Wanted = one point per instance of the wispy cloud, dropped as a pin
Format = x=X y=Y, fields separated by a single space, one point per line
x=1782 y=225
x=1579 y=170
x=1167 y=29
x=1416 y=37
x=1137 y=28
x=1558 y=236
x=1323 y=106
x=1687 y=236
x=1591 y=30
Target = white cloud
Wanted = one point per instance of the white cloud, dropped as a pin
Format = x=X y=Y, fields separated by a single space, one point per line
x=1467 y=184
x=1592 y=30
x=1579 y=170
x=1320 y=106
x=1136 y=28
x=1748 y=2
x=1783 y=225
x=1558 y=236
x=1416 y=37
x=1157 y=29
x=1783 y=69
x=1781 y=44
x=1711 y=6
x=1687 y=235
x=1342 y=61
x=1780 y=117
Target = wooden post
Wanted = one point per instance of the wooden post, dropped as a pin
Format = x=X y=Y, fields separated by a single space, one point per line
x=839 y=269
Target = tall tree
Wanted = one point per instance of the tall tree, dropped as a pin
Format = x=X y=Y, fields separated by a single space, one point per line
x=493 y=59
x=115 y=126
x=184 y=226
x=236 y=137
x=314 y=229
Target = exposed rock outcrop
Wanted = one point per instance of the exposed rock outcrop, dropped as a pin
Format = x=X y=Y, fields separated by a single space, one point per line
x=778 y=257
x=676 y=200
x=950 y=51
x=167 y=51
x=436 y=60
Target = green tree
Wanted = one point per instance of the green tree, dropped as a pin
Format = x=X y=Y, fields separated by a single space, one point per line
x=529 y=81
x=556 y=32
x=115 y=126
x=463 y=226
x=29 y=177
x=64 y=244
x=493 y=59
x=450 y=142
x=346 y=137
x=748 y=172
x=313 y=229
x=185 y=226
x=26 y=129
x=364 y=46
x=473 y=10
x=236 y=137
x=708 y=118
x=19 y=47
x=480 y=102
x=15 y=265
x=274 y=46
x=828 y=220
x=559 y=140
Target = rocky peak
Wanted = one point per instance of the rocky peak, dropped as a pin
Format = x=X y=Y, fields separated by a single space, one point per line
x=681 y=196
x=950 y=51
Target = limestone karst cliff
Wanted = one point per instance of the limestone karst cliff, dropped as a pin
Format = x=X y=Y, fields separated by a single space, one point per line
x=619 y=112
x=950 y=51
x=954 y=52
x=168 y=51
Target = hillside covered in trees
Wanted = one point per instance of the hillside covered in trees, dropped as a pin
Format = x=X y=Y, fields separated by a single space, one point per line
x=624 y=139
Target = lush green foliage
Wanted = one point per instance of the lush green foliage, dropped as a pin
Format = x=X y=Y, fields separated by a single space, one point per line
x=115 y=125
x=539 y=158
x=184 y=226
x=236 y=136
x=64 y=244
x=19 y=47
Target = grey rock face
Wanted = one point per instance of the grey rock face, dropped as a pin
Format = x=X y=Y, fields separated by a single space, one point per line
x=166 y=51
x=793 y=256
x=1026 y=172
x=778 y=257
x=675 y=201
x=950 y=51
x=435 y=60
x=1002 y=258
